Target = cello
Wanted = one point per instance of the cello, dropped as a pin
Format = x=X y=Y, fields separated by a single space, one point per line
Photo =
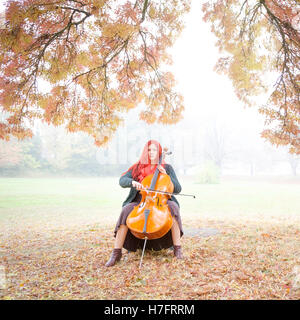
x=151 y=218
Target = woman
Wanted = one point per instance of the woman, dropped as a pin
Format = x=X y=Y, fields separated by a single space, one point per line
x=132 y=178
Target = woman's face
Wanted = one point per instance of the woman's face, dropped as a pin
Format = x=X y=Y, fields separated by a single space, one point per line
x=153 y=152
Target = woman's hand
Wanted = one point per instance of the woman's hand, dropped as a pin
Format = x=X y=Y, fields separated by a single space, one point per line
x=137 y=185
x=162 y=169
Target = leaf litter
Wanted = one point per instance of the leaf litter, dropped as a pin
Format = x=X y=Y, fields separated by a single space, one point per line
x=245 y=260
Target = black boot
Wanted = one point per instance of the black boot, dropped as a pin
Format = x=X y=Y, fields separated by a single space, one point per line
x=115 y=257
x=178 y=252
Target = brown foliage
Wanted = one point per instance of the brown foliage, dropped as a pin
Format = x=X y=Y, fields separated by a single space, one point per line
x=102 y=58
x=261 y=37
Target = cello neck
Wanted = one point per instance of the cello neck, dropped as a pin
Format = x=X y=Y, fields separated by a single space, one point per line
x=154 y=179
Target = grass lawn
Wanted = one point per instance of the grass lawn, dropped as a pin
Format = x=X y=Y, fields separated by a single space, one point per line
x=56 y=234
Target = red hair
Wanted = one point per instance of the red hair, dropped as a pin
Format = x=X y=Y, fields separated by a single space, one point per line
x=142 y=167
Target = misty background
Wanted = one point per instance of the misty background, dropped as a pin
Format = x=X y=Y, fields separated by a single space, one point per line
x=217 y=136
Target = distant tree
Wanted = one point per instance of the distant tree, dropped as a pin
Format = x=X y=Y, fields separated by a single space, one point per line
x=294 y=161
x=30 y=155
x=82 y=159
x=19 y=157
x=56 y=148
x=216 y=142
x=10 y=153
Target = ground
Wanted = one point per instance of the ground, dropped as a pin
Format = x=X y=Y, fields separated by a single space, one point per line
x=57 y=234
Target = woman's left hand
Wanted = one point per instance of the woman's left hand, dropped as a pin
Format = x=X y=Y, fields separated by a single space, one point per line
x=162 y=169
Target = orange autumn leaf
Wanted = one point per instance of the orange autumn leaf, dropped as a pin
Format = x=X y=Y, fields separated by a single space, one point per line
x=101 y=58
x=259 y=40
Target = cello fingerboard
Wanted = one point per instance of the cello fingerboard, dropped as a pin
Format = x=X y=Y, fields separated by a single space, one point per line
x=146 y=213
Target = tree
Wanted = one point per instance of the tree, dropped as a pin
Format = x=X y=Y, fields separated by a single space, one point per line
x=216 y=140
x=19 y=157
x=294 y=161
x=10 y=153
x=259 y=37
x=56 y=149
x=102 y=57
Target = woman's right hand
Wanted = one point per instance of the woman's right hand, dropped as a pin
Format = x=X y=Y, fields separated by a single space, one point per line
x=137 y=185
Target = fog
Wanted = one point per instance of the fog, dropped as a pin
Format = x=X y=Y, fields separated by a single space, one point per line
x=217 y=131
